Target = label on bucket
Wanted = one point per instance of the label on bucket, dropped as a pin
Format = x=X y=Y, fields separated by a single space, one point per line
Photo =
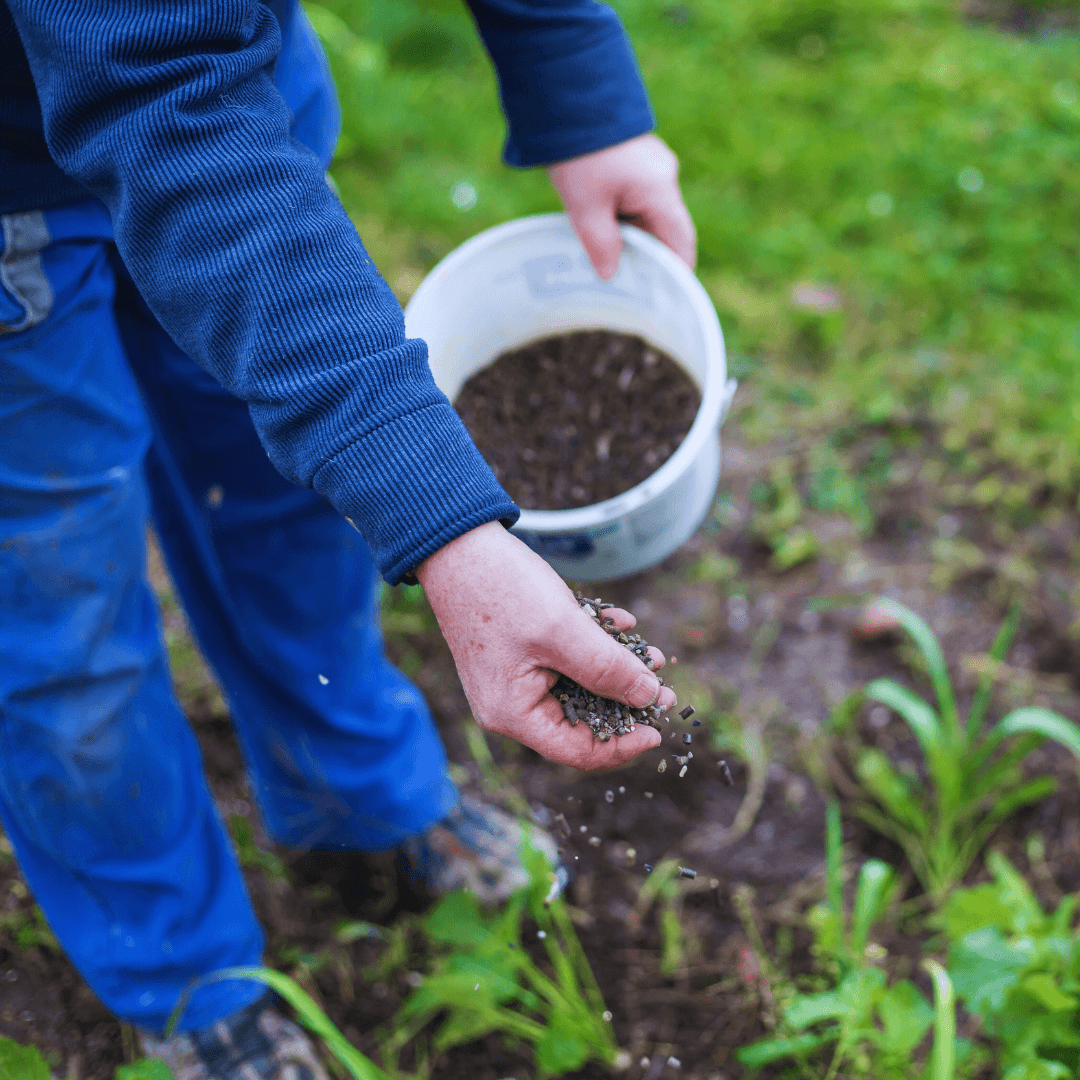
x=551 y=276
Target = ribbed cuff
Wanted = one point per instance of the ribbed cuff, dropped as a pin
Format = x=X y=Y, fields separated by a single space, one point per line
x=567 y=106
x=413 y=485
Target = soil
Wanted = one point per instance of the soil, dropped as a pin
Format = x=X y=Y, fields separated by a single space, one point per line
x=578 y=418
x=776 y=648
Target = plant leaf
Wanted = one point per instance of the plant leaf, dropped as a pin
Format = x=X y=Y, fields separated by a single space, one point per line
x=18 y=1062
x=1002 y=641
x=1042 y=722
x=562 y=1048
x=919 y=716
x=943 y=1056
x=928 y=645
x=984 y=967
x=871 y=895
x=1045 y=990
x=144 y=1069
x=1025 y=912
x=882 y=780
x=457 y=920
x=761 y=1053
x=806 y=1009
x=905 y=1016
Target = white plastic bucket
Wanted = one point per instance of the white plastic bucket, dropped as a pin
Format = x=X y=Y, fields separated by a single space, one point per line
x=531 y=278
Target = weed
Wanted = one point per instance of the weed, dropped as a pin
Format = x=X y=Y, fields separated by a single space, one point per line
x=1018 y=968
x=485 y=980
x=974 y=780
x=872 y=1029
x=663 y=886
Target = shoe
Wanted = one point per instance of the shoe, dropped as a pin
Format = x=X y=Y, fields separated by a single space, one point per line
x=477 y=847
x=256 y=1043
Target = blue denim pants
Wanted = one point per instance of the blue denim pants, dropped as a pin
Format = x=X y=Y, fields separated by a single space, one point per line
x=104 y=423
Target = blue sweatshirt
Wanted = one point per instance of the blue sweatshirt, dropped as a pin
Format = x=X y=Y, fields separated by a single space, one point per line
x=168 y=112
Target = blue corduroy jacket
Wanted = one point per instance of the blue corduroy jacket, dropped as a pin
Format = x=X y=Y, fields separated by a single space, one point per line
x=168 y=112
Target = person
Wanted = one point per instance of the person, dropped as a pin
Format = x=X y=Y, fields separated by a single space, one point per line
x=191 y=328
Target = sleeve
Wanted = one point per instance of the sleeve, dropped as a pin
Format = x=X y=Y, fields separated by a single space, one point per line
x=567 y=74
x=168 y=113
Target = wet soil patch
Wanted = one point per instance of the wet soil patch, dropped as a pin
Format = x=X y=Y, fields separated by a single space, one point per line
x=578 y=418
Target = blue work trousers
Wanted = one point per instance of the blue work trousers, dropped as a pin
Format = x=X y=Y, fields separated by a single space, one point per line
x=103 y=423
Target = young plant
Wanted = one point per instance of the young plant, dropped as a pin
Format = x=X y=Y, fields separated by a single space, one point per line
x=1019 y=969
x=973 y=772
x=872 y=1029
x=484 y=980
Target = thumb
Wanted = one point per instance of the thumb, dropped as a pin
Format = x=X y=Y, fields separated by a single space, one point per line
x=600 y=664
x=598 y=231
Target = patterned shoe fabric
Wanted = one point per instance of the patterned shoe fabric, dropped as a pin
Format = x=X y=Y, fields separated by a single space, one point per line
x=256 y=1043
x=477 y=847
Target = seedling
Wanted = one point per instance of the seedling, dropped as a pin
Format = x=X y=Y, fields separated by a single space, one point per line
x=973 y=772
x=484 y=980
x=1018 y=968
x=859 y=1016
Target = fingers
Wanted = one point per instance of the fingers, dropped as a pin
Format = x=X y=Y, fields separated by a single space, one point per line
x=590 y=657
x=598 y=231
x=548 y=733
x=669 y=221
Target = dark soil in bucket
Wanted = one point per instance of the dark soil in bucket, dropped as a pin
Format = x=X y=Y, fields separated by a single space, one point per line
x=578 y=418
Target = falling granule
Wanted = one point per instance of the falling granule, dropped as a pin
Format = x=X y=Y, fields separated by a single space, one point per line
x=674 y=659
x=622 y=791
x=725 y=772
x=662 y=767
x=323 y=679
x=631 y=854
x=609 y=796
x=644 y=1063
x=687 y=712
x=674 y=1062
x=682 y=771
x=697 y=723
x=583 y=828
x=687 y=738
x=607 y=1015
x=648 y=794
x=477 y=986
x=648 y=869
x=541 y=934
x=594 y=841
x=685 y=871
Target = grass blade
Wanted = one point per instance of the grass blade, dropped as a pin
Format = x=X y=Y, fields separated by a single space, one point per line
x=919 y=716
x=310 y=1015
x=871 y=895
x=1041 y=722
x=943 y=1058
x=928 y=645
x=1002 y=641
x=892 y=790
x=761 y=1053
x=834 y=861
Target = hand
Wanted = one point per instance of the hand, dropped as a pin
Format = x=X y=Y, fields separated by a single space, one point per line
x=637 y=178
x=512 y=623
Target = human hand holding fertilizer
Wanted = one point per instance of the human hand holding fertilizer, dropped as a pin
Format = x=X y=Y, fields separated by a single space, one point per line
x=512 y=625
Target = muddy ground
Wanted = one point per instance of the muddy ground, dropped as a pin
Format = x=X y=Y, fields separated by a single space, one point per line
x=775 y=658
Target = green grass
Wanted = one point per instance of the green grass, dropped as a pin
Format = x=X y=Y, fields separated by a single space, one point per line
x=921 y=165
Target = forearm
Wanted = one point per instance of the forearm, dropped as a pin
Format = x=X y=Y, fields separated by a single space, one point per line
x=567 y=77
x=249 y=261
